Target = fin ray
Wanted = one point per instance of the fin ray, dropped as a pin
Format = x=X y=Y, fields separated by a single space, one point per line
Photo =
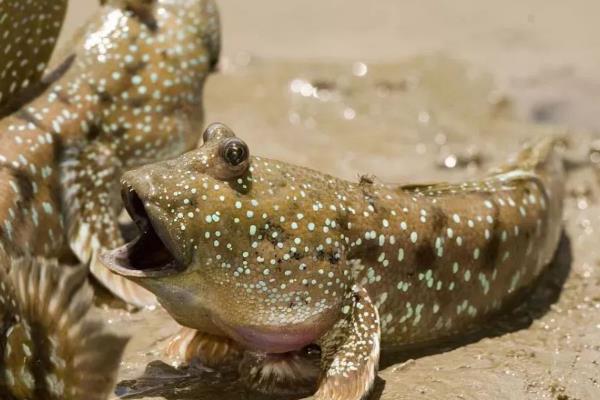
x=92 y=203
x=42 y=346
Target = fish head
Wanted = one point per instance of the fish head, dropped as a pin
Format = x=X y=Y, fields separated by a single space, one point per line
x=249 y=242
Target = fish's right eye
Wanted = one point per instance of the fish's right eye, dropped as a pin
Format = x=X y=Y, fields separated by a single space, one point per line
x=216 y=130
x=234 y=151
x=208 y=134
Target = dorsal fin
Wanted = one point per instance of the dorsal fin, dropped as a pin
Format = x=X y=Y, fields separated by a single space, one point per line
x=28 y=34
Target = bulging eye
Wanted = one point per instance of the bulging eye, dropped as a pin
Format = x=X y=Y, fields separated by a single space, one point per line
x=215 y=130
x=234 y=151
x=208 y=134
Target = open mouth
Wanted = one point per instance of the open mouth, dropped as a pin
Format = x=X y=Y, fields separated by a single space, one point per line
x=150 y=254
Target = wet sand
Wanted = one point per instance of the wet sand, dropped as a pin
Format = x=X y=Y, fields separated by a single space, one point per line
x=364 y=97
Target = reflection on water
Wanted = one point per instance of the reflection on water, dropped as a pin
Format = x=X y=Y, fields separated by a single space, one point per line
x=426 y=119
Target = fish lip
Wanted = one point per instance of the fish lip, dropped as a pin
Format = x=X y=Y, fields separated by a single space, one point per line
x=112 y=259
x=134 y=259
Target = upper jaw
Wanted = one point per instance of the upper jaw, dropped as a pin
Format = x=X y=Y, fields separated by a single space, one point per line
x=154 y=253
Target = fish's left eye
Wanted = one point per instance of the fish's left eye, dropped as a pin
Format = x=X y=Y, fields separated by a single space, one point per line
x=234 y=151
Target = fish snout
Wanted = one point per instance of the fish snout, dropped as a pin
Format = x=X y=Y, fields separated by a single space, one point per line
x=156 y=252
x=142 y=181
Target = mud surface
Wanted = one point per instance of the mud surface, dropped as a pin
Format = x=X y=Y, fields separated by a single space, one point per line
x=408 y=117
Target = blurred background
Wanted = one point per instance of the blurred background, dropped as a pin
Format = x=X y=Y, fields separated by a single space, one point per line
x=547 y=52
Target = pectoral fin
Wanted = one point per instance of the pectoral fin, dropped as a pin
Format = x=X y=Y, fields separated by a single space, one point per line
x=210 y=350
x=350 y=351
x=90 y=181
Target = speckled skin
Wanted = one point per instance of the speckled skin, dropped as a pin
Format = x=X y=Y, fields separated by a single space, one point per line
x=276 y=257
x=132 y=95
x=29 y=30
x=50 y=347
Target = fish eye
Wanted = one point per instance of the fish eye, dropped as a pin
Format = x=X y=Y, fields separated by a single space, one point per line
x=234 y=151
x=208 y=134
x=216 y=130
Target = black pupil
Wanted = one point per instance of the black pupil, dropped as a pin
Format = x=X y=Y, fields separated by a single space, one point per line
x=235 y=154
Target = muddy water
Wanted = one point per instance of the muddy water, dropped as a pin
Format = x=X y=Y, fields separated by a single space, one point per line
x=424 y=119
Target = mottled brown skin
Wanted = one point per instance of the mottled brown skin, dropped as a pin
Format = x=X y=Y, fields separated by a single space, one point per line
x=132 y=95
x=277 y=257
x=50 y=348
x=29 y=30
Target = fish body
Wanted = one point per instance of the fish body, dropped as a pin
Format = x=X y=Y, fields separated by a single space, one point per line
x=29 y=32
x=440 y=259
x=277 y=257
x=130 y=93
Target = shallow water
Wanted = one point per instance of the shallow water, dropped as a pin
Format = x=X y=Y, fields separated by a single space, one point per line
x=424 y=119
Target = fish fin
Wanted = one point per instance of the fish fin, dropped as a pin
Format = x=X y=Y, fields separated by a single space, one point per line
x=533 y=156
x=123 y=288
x=210 y=350
x=91 y=198
x=350 y=351
x=292 y=373
x=50 y=347
x=28 y=34
x=541 y=160
x=537 y=159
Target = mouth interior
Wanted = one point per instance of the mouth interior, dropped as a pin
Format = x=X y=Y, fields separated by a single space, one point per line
x=148 y=251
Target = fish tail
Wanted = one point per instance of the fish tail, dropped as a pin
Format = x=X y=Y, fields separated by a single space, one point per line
x=50 y=348
x=538 y=155
x=538 y=158
x=546 y=161
x=542 y=158
x=542 y=161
